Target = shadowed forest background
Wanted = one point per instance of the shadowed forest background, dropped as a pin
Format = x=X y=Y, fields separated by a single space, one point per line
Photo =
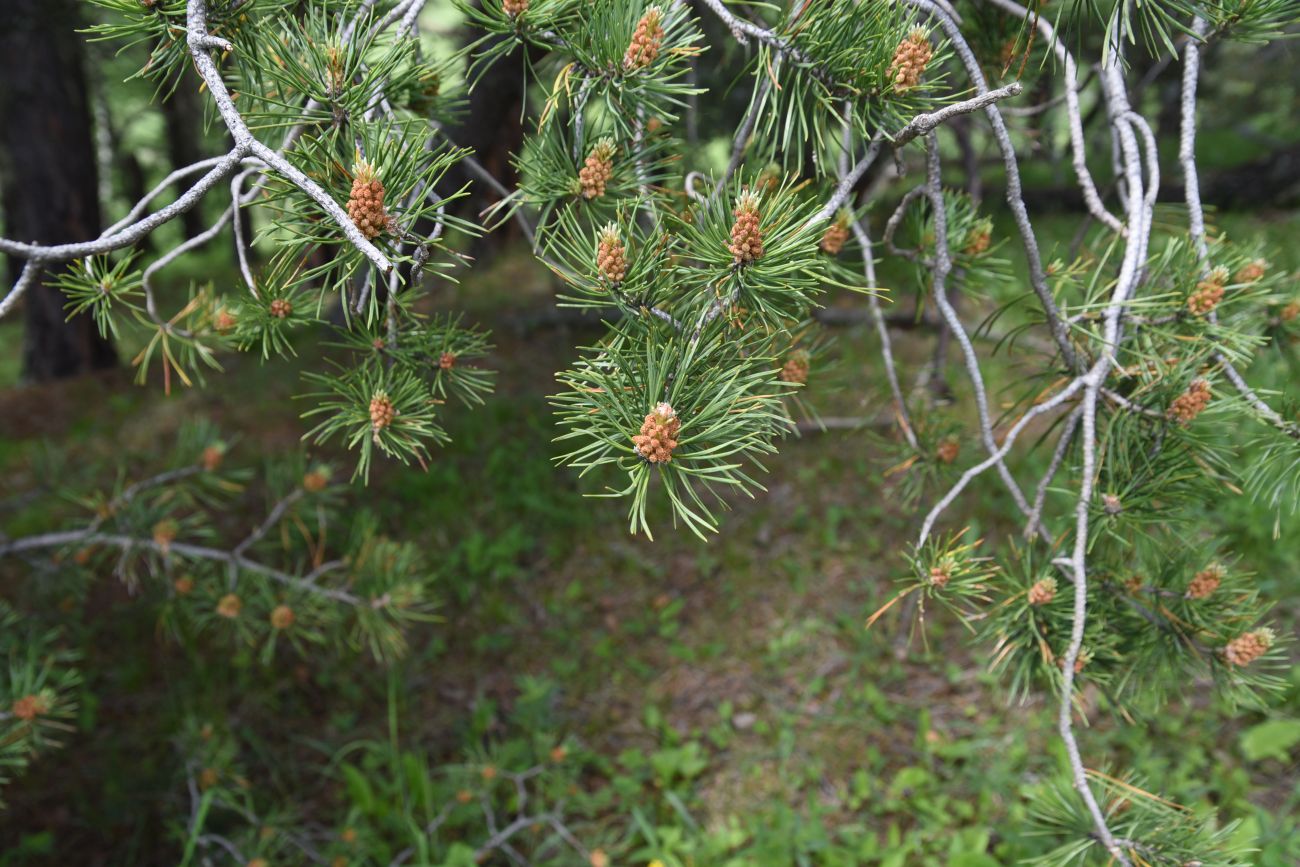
x=670 y=702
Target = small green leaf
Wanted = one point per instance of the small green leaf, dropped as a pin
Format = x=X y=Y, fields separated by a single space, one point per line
x=1273 y=739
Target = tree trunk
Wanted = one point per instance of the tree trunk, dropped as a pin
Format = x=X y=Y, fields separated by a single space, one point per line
x=50 y=186
x=184 y=121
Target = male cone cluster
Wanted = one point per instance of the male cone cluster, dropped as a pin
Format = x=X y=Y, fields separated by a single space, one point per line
x=1042 y=592
x=611 y=256
x=281 y=308
x=977 y=239
x=29 y=707
x=941 y=573
x=334 y=62
x=597 y=169
x=658 y=435
x=647 y=39
x=1208 y=293
x=315 y=481
x=948 y=450
x=164 y=533
x=229 y=606
x=366 y=204
x=1205 y=582
x=746 y=238
x=514 y=8
x=1190 y=403
x=796 y=368
x=1080 y=661
x=1245 y=649
x=835 y=235
x=282 y=617
x=910 y=59
x=381 y=413
x=1251 y=272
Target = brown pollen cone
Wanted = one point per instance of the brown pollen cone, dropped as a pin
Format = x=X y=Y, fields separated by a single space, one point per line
x=366 y=204
x=514 y=8
x=1205 y=582
x=381 y=411
x=1043 y=591
x=746 y=237
x=230 y=606
x=647 y=39
x=1246 y=648
x=948 y=450
x=658 y=435
x=212 y=457
x=597 y=170
x=29 y=707
x=910 y=59
x=611 y=255
x=1190 y=403
x=977 y=240
x=1208 y=293
x=282 y=617
x=836 y=234
x=223 y=321
x=796 y=367
x=1251 y=272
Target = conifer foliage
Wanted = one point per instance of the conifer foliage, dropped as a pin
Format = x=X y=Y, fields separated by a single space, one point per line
x=708 y=279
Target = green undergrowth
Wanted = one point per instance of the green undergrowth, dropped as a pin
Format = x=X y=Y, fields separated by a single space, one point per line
x=693 y=703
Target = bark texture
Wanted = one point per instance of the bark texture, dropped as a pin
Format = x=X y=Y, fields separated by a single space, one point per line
x=49 y=175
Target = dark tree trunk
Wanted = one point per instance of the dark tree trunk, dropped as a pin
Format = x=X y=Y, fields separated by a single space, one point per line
x=492 y=128
x=184 y=120
x=50 y=188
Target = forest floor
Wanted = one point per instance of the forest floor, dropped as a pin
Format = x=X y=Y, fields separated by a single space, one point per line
x=739 y=669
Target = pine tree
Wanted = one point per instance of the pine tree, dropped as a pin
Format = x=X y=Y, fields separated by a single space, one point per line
x=708 y=284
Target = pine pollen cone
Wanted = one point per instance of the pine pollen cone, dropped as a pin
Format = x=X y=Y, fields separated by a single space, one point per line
x=658 y=437
x=834 y=237
x=1042 y=592
x=910 y=59
x=366 y=204
x=796 y=368
x=1251 y=272
x=646 y=41
x=1246 y=648
x=746 y=237
x=381 y=411
x=1191 y=403
x=977 y=240
x=1208 y=293
x=597 y=170
x=1205 y=582
x=611 y=256
x=282 y=617
x=29 y=707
